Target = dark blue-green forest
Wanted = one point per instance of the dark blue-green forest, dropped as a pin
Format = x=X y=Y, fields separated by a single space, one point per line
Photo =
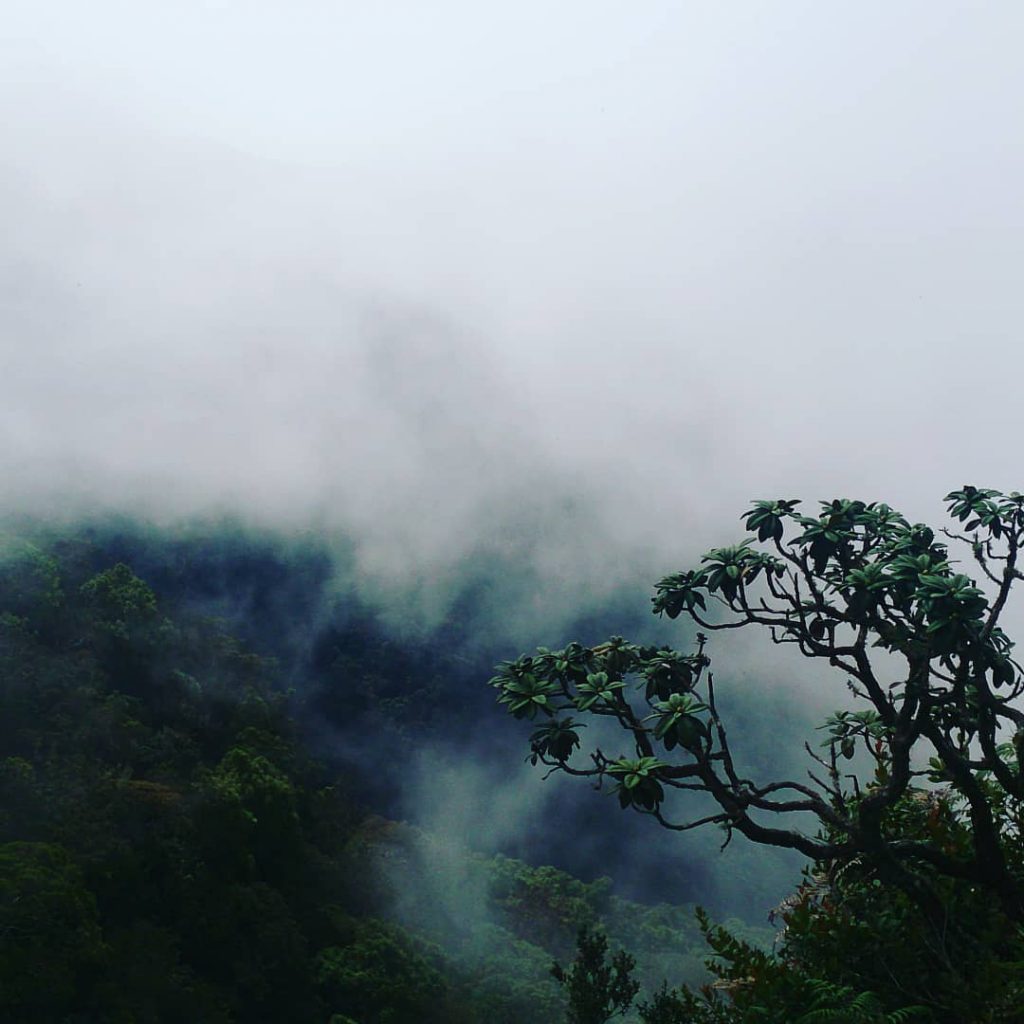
x=212 y=753
x=237 y=789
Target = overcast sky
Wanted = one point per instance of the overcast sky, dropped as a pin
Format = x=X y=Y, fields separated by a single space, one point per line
x=409 y=269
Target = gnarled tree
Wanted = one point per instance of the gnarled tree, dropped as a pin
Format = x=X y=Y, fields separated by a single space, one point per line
x=920 y=647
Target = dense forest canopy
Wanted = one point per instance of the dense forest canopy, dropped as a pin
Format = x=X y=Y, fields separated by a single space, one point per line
x=179 y=842
x=199 y=819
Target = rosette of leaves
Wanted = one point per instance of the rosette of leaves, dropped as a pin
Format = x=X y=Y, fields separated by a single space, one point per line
x=556 y=740
x=524 y=692
x=864 y=589
x=910 y=568
x=953 y=606
x=678 y=724
x=667 y=672
x=680 y=592
x=597 y=689
x=831 y=535
x=988 y=514
x=637 y=782
x=618 y=656
x=572 y=664
x=766 y=518
x=727 y=567
x=904 y=539
x=726 y=571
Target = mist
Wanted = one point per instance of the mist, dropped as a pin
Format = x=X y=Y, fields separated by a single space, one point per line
x=448 y=287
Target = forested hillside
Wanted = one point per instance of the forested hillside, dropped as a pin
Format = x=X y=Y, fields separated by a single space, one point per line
x=371 y=372
x=172 y=850
x=232 y=790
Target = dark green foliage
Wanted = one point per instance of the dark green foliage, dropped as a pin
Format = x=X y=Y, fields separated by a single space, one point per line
x=916 y=903
x=598 y=988
x=151 y=815
x=556 y=740
x=383 y=976
x=51 y=942
x=167 y=842
x=500 y=921
x=120 y=599
x=757 y=986
x=169 y=852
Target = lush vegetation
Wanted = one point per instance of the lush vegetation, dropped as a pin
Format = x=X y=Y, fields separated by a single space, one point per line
x=170 y=850
x=913 y=905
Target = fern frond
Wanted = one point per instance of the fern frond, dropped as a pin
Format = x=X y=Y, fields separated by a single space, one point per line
x=839 y=1004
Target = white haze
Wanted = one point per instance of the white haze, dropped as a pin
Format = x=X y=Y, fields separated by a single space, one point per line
x=567 y=282
x=398 y=267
